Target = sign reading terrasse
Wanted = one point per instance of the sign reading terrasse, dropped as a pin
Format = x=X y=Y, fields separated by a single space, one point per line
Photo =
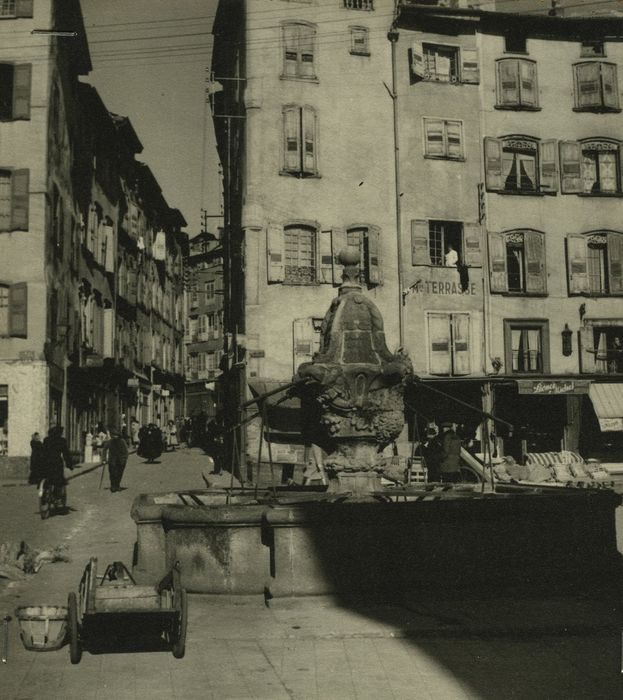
x=544 y=387
x=441 y=287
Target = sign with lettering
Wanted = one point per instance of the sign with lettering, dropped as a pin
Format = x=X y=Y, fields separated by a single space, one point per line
x=257 y=353
x=441 y=288
x=610 y=424
x=555 y=387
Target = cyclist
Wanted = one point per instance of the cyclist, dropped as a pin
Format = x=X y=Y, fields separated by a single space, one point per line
x=56 y=456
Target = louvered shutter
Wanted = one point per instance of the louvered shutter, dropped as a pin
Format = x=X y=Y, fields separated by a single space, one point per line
x=109 y=256
x=615 y=262
x=577 y=264
x=307 y=37
x=472 y=252
x=24 y=8
x=291 y=48
x=18 y=310
x=528 y=87
x=309 y=139
x=549 y=170
x=588 y=84
x=460 y=344
x=508 y=82
x=373 y=256
x=434 y=137
x=497 y=262
x=275 y=253
x=132 y=287
x=571 y=166
x=470 y=72
x=339 y=242
x=420 y=249
x=439 y=359
x=303 y=341
x=493 y=164
x=108 y=333
x=534 y=246
x=21 y=90
x=454 y=141
x=610 y=85
x=325 y=257
x=588 y=354
x=19 y=199
x=417 y=60
x=291 y=138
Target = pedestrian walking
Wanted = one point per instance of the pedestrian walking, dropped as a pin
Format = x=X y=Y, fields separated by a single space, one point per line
x=134 y=430
x=171 y=433
x=150 y=445
x=116 y=452
x=56 y=456
x=37 y=465
x=450 y=462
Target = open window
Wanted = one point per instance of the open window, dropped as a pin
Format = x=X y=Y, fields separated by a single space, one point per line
x=521 y=165
x=517 y=262
x=443 y=63
x=594 y=263
x=591 y=166
x=445 y=243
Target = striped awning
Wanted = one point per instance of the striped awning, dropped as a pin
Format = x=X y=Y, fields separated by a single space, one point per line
x=607 y=401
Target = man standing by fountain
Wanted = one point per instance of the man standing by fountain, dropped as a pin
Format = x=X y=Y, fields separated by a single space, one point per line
x=450 y=463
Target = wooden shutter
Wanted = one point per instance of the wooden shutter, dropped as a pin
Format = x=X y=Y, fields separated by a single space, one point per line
x=434 y=140
x=338 y=243
x=534 y=247
x=420 y=248
x=417 y=60
x=325 y=257
x=18 y=310
x=460 y=344
x=470 y=72
x=528 y=87
x=454 y=139
x=610 y=85
x=275 y=253
x=109 y=333
x=577 y=264
x=493 y=164
x=308 y=130
x=472 y=251
x=497 y=262
x=548 y=166
x=19 y=200
x=292 y=139
x=21 y=91
x=588 y=356
x=588 y=84
x=291 y=48
x=615 y=262
x=132 y=287
x=307 y=38
x=303 y=341
x=24 y=8
x=373 y=256
x=570 y=166
x=508 y=82
x=439 y=357
x=109 y=255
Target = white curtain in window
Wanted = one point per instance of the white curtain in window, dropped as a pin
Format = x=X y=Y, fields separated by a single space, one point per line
x=515 y=348
x=601 y=358
x=534 y=349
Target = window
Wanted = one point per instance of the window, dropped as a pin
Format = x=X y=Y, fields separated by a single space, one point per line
x=517 y=262
x=449 y=344
x=526 y=346
x=14 y=196
x=15 y=80
x=516 y=84
x=602 y=346
x=305 y=340
x=4 y=419
x=14 y=310
x=430 y=241
x=596 y=87
x=521 y=165
x=299 y=133
x=359 y=41
x=366 y=240
x=7 y=8
x=444 y=64
x=4 y=310
x=300 y=255
x=16 y=8
x=359 y=4
x=595 y=262
x=443 y=138
x=592 y=48
x=591 y=166
x=299 y=41
x=515 y=42
x=209 y=290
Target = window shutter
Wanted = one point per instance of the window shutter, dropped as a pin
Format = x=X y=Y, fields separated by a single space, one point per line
x=309 y=139
x=18 y=310
x=420 y=249
x=588 y=354
x=570 y=166
x=588 y=84
x=24 y=8
x=417 y=60
x=534 y=246
x=303 y=341
x=610 y=85
x=508 y=82
x=577 y=264
x=373 y=257
x=132 y=287
x=275 y=253
x=454 y=140
x=461 y=344
x=21 y=91
x=19 y=200
x=439 y=358
x=470 y=72
x=291 y=48
x=109 y=330
x=493 y=164
x=325 y=257
x=338 y=243
x=549 y=169
x=291 y=139
x=472 y=252
x=528 y=89
x=109 y=256
x=434 y=137
x=497 y=262
x=615 y=262
x=307 y=37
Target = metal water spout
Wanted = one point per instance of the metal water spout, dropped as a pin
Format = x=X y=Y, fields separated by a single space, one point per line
x=357 y=386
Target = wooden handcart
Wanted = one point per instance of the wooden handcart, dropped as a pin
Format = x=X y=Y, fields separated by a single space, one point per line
x=114 y=601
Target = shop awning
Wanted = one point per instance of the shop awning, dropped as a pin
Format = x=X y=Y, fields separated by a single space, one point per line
x=607 y=401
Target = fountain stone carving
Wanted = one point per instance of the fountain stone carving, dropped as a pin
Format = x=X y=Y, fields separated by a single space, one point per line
x=357 y=385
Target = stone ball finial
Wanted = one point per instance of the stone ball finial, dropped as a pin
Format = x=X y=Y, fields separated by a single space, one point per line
x=348 y=256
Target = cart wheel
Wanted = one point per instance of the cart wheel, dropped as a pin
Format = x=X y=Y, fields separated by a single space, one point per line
x=44 y=501
x=179 y=630
x=75 y=650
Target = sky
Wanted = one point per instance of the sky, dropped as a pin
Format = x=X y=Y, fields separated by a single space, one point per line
x=150 y=62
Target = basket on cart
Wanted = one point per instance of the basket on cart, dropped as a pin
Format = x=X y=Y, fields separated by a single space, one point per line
x=42 y=627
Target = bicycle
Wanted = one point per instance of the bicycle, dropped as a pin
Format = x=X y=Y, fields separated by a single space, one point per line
x=52 y=498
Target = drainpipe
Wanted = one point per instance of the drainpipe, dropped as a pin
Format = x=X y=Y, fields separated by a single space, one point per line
x=393 y=38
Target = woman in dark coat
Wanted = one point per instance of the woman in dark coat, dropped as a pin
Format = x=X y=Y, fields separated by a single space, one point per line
x=37 y=458
x=56 y=456
x=150 y=445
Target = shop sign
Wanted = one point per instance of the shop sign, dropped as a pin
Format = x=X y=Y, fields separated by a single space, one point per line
x=553 y=387
x=441 y=288
x=156 y=387
x=165 y=392
x=610 y=424
x=257 y=353
x=133 y=383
